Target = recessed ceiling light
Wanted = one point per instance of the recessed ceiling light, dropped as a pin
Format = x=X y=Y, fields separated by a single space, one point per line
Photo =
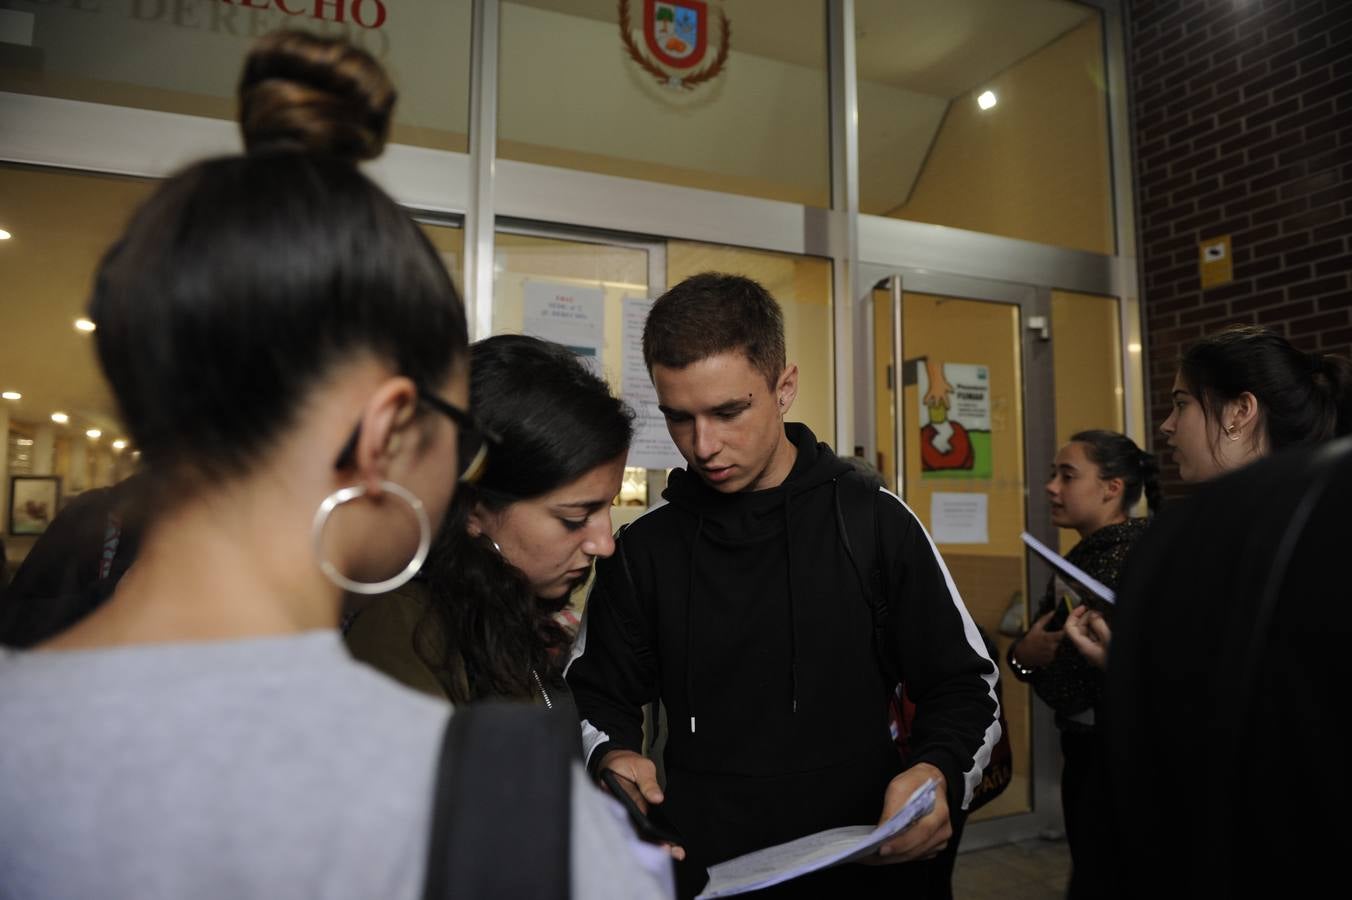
x=986 y=100
x=12 y=395
x=119 y=444
x=60 y=418
x=1133 y=348
x=4 y=235
x=84 y=325
x=24 y=442
x=94 y=433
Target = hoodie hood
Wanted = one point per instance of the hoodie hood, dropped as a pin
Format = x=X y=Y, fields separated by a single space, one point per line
x=754 y=516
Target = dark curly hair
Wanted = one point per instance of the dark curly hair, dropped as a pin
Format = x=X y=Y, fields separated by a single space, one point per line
x=485 y=633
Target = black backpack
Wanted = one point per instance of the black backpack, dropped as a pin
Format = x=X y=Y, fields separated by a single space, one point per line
x=857 y=521
x=502 y=811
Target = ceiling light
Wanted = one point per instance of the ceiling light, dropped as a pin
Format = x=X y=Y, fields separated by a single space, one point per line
x=986 y=100
x=4 y=235
x=60 y=418
x=119 y=444
x=12 y=395
x=24 y=442
x=94 y=434
x=84 y=325
x=1133 y=348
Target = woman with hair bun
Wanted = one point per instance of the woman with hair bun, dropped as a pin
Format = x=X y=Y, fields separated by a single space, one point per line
x=290 y=355
x=1097 y=478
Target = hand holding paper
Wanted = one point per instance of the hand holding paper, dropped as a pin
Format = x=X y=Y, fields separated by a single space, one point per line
x=851 y=843
x=930 y=833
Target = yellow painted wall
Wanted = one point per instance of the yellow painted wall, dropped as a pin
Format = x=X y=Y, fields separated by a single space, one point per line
x=1036 y=165
x=1086 y=369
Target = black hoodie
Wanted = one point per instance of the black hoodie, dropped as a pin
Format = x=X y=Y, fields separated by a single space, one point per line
x=744 y=615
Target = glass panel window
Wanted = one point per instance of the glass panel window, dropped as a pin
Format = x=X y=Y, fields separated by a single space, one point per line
x=184 y=56
x=987 y=115
x=58 y=418
x=723 y=96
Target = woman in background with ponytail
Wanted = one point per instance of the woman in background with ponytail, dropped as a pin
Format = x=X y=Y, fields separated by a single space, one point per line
x=1240 y=395
x=1097 y=478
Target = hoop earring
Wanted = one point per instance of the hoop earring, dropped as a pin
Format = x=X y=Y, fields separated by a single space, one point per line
x=348 y=494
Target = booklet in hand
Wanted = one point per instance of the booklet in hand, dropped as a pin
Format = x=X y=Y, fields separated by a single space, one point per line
x=1073 y=585
x=784 y=862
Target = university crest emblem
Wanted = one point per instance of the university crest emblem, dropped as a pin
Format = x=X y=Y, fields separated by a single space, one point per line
x=676 y=38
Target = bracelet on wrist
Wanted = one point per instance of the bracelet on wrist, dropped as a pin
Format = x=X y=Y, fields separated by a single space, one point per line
x=1018 y=667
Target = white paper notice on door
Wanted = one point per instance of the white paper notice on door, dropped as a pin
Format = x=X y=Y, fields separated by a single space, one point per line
x=652 y=447
x=959 y=518
x=567 y=314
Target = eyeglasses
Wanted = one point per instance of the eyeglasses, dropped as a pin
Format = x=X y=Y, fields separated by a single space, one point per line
x=475 y=439
x=474 y=444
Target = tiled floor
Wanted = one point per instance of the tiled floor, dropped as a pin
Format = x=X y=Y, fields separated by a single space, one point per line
x=1029 y=870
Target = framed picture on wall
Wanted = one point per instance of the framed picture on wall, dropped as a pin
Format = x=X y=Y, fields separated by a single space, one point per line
x=33 y=502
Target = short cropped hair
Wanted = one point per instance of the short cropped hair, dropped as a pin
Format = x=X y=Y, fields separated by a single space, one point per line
x=713 y=313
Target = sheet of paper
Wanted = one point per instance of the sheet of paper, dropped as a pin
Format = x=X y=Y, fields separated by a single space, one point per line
x=652 y=447
x=1067 y=568
x=567 y=314
x=959 y=518
x=784 y=862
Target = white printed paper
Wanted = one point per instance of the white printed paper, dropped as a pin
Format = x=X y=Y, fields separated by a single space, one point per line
x=784 y=862
x=566 y=314
x=1078 y=577
x=959 y=518
x=652 y=447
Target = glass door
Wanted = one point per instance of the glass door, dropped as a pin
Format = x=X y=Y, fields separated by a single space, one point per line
x=959 y=383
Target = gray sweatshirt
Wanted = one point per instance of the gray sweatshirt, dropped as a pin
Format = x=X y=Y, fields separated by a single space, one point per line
x=272 y=767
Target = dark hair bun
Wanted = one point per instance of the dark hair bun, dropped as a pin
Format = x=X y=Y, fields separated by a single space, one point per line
x=306 y=94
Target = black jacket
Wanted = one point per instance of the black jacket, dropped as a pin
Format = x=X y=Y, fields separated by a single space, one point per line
x=1069 y=684
x=744 y=615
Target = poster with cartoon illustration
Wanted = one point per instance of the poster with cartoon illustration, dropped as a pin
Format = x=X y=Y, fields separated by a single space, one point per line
x=955 y=419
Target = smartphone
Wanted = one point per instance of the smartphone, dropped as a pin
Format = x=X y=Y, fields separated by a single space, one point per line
x=646 y=828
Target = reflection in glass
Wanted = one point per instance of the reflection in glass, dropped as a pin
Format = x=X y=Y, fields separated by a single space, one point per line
x=65 y=421
x=593 y=101
x=184 y=56
x=987 y=115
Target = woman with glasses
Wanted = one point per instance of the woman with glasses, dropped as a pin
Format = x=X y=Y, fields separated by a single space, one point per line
x=517 y=540
x=291 y=359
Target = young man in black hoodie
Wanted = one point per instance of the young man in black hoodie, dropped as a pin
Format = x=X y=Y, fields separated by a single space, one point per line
x=739 y=606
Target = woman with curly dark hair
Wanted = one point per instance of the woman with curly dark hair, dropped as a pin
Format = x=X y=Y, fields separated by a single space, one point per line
x=482 y=622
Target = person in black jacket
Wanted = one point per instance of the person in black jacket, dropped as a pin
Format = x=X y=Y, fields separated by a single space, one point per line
x=737 y=604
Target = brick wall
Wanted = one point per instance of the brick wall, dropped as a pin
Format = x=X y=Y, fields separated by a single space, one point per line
x=1243 y=127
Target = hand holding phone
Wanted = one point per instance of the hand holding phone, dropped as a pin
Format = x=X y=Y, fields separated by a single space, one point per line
x=620 y=788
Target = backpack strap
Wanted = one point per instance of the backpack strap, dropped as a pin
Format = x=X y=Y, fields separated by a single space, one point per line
x=503 y=793
x=857 y=523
